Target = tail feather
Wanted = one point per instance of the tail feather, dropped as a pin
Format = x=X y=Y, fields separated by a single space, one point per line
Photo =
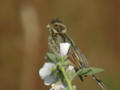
x=100 y=83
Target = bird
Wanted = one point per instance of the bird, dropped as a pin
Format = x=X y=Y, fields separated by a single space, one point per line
x=58 y=34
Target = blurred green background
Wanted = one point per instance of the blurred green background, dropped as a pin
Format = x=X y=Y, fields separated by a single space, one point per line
x=93 y=24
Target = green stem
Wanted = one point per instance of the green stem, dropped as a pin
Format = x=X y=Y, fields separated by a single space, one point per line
x=65 y=76
x=76 y=74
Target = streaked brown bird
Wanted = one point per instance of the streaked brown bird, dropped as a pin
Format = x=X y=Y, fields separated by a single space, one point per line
x=58 y=34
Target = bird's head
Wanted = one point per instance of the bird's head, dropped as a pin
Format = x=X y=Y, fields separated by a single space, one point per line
x=56 y=26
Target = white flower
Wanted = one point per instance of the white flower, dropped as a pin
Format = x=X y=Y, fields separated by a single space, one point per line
x=64 y=47
x=58 y=86
x=70 y=67
x=46 y=69
x=45 y=73
x=49 y=80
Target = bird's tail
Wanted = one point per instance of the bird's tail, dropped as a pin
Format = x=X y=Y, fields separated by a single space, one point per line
x=100 y=83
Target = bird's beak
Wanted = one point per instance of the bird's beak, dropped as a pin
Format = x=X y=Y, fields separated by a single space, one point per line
x=48 y=26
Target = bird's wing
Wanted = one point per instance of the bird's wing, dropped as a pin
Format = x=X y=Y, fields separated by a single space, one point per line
x=75 y=51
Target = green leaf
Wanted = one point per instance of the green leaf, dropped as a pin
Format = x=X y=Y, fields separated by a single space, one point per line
x=51 y=57
x=89 y=71
x=84 y=71
x=55 y=57
x=65 y=57
x=95 y=70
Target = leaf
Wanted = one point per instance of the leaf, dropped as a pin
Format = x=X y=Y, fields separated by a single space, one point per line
x=89 y=71
x=65 y=57
x=84 y=71
x=95 y=70
x=55 y=57
x=51 y=57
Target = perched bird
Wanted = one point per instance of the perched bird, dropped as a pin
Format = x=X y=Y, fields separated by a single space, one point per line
x=58 y=34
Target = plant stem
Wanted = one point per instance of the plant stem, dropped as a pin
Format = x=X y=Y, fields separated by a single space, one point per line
x=76 y=74
x=65 y=75
x=66 y=78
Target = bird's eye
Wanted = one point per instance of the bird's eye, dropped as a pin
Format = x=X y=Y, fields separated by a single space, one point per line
x=58 y=28
x=55 y=25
